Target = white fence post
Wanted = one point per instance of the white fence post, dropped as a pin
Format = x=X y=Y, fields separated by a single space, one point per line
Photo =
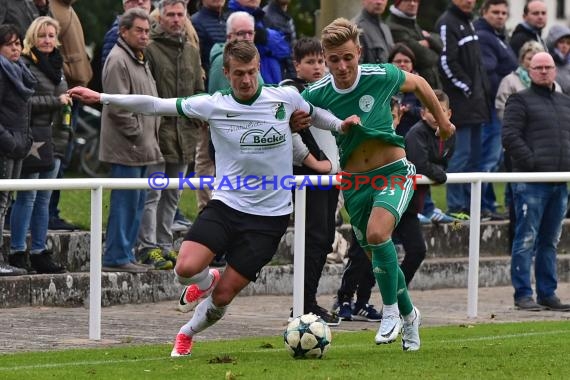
x=299 y=251
x=95 y=263
x=474 y=233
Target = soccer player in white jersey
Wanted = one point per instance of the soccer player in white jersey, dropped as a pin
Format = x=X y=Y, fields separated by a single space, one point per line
x=374 y=152
x=248 y=212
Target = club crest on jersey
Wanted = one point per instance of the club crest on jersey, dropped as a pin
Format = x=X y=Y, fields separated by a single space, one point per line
x=261 y=138
x=365 y=103
x=280 y=111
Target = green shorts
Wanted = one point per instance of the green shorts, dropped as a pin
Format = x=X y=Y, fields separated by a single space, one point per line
x=390 y=186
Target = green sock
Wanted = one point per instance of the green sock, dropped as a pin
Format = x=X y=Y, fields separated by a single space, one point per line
x=390 y=277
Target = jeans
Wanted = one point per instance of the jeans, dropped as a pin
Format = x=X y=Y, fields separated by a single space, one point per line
x=31 y=212
x=9 y=169
x=492 y=151
x=159 y=209
x=125 y=213
x=465 y=159
x=540 y=209
x=429 y=206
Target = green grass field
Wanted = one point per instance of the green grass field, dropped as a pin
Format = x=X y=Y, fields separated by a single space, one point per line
x=534 y=350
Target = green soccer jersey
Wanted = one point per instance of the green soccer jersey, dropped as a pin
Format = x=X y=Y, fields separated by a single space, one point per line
x=369 y=98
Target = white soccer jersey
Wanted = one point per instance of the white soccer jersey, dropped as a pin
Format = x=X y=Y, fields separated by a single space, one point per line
x=253 y=146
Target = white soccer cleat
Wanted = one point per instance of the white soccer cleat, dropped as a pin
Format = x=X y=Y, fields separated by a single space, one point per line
x=191 y=294
x=390 y=326
x=411 y=333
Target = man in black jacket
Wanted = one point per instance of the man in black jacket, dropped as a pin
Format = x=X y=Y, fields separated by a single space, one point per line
x=534 y=20
x=465 y=82
x=536 y=134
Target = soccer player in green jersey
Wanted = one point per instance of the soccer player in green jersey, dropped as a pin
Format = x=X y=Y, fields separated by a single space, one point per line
x=377 y=179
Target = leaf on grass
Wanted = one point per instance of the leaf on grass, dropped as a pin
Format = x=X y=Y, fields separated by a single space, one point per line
x=222 y=359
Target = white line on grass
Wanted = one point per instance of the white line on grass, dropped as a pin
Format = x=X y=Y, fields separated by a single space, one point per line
x=165 y=357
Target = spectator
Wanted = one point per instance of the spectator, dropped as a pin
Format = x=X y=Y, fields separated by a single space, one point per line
x=78 y=72
x=246 y=222
x=181 y=223
x=276 y=17
x=272 y=46
x=538 y=142
x=240 y=26
x=534 y=20
x=112 y=34
x=519 y=79
x=376 y=38
x=210 y=24
x=315 y=152
x=558 y=42
x=31 y=208
x=498 y=61
x=516 y=81
x=175 y=65
x=426 y=46
x=465 y=82
x=430 y=156
x=409 y=105
x=128 y=142
x=17 y=86
x=20 y=13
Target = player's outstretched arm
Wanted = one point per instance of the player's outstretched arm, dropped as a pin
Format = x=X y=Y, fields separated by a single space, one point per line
x=323 y=119
x=420 y=87
x=143 y=104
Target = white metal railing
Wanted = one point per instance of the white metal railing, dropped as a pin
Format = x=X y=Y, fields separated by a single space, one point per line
x=97 y=185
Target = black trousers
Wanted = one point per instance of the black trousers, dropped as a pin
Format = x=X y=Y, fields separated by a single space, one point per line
x=409 y=233
x=357 y=275
x=319 y=237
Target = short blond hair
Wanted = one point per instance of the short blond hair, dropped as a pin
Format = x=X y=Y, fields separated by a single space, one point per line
x=34 y=31
x=339 y=32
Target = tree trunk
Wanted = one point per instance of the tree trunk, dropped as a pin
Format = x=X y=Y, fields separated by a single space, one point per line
x=332 y=9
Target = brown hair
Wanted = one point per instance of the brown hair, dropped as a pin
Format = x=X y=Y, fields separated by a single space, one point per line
x=339 y=32
x=242 y=51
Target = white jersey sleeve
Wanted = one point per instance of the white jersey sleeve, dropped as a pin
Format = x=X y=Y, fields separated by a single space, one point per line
x=198 y=106
x=322 y=119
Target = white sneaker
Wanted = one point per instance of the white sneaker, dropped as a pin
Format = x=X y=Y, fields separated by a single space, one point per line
x=390 y=326
x=411 y=333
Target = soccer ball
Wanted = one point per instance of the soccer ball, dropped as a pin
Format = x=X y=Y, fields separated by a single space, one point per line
x=307 y=336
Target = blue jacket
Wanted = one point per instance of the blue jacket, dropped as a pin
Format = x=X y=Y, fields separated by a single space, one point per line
x=498 y=57
x=110 y=40
x=272 y=46
x=211 y=29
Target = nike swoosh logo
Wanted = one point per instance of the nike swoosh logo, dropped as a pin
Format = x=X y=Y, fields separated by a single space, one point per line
x=389 y=333
x=232 y=114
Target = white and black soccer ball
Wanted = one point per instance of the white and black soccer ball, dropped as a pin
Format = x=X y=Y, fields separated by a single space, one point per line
x=307 y=336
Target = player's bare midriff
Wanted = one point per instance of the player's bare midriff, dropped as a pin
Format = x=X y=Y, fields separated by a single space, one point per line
x=372 y=154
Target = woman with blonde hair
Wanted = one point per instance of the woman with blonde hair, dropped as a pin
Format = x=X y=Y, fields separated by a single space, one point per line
x=30 y=211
